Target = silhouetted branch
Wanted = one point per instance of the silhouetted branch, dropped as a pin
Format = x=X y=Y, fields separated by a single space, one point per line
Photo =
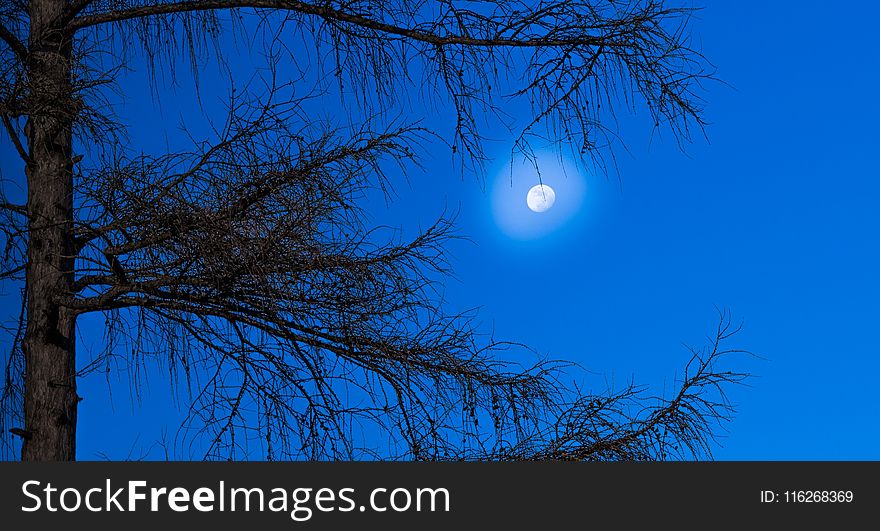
x=13 y=137
x=622 y=426
x=574 y=56
x=340 y=15
x=18 y=209
x=14 y=44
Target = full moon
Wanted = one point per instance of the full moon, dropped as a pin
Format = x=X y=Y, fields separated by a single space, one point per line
x=540 y=198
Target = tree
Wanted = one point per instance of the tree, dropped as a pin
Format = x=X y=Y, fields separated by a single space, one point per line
x=246 y=260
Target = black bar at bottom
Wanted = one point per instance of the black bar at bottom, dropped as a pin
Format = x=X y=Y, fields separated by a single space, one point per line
x=499 y=495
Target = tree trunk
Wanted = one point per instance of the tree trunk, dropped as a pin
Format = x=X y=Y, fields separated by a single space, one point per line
x=50 y=399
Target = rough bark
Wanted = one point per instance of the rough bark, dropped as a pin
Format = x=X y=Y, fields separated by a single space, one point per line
x=50 y=400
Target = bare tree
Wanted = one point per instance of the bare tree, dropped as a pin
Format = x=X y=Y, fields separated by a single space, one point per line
x=246 y=264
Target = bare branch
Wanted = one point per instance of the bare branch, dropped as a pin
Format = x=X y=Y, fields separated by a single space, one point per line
x=14 y=44
x=338 y=15
x=18 y=209
x=13 y=137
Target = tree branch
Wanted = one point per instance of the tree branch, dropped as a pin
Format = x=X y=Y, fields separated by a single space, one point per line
x=13 y=136
x=12 y=41
x=18 y=209
x=335 y=15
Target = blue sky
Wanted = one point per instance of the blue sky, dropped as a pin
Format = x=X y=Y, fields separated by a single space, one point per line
x=774 y=218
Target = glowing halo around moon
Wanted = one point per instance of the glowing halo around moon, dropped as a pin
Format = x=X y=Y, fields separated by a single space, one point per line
x=561 y=204
x=540 y=198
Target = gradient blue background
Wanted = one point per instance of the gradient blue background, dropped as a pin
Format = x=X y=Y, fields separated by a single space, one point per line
x=775 y=218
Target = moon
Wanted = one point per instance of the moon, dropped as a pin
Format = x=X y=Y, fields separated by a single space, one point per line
x=540 y=198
